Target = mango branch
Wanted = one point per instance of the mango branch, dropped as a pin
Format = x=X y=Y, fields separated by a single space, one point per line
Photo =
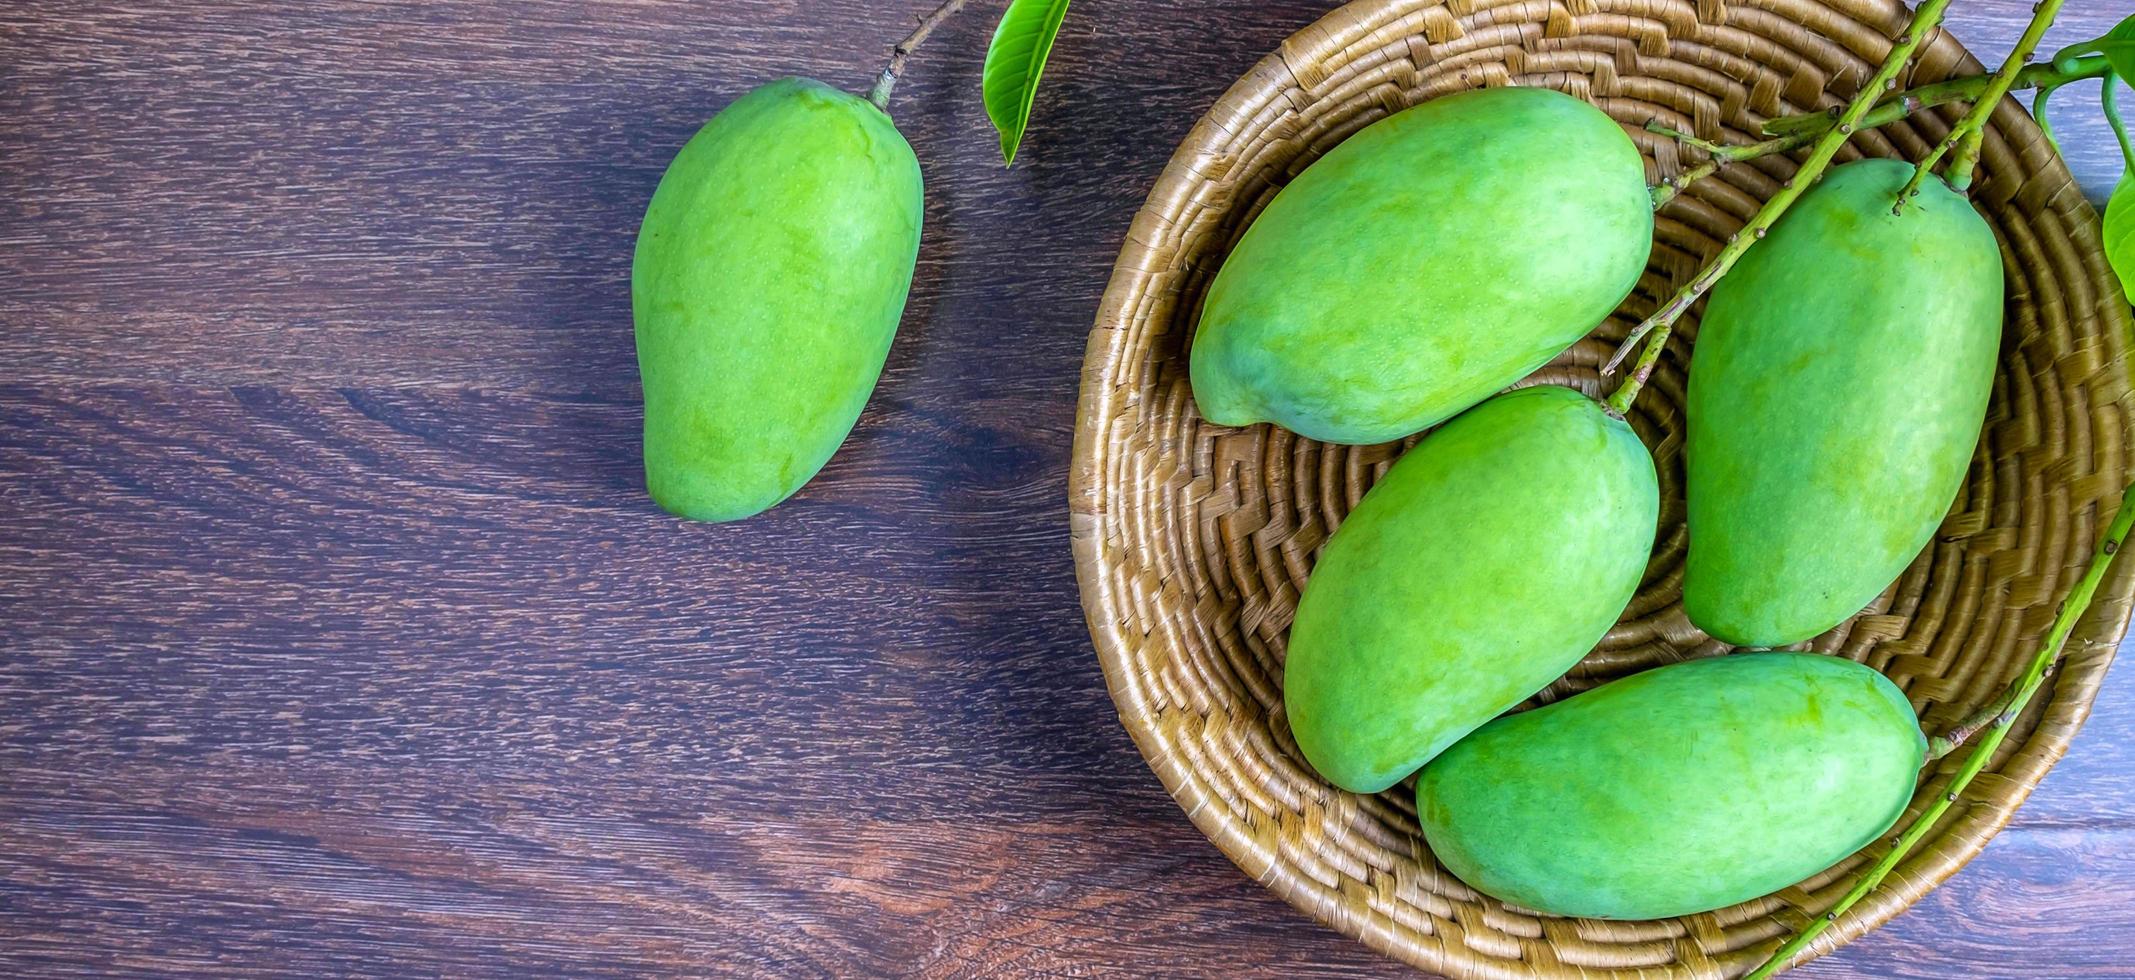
x=1826 y=147
x=1965 y=89
x=1719 y=155
x=2005 y=714
x=887 y=81
x=1950 y=741
x=1970 y=131
x=1789 y=133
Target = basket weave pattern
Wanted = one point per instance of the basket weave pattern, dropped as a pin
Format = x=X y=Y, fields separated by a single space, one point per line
x=1193 y=541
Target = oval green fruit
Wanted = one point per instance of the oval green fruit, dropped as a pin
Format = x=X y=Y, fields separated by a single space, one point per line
x=771 y=270
x=1489 y=560
x=1682 y=789
x=1837 y=390
x=1430 y=260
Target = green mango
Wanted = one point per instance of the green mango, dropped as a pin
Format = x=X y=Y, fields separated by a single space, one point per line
x=771 y=270
x=1430 y=260
x=1489 y=560
x=1837 y=391
x=1682 y=789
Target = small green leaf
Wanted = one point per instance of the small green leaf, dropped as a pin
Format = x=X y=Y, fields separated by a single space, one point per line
x=1014 y=63
x=2120 y=233
x=2117 y=45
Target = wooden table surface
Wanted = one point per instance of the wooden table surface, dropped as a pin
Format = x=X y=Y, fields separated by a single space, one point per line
x=336 y=635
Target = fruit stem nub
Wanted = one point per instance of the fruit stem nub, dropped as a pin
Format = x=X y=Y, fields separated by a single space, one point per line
x=887 y=81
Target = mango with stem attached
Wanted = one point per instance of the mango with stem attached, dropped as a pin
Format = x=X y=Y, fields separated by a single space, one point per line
x=771 y=271
x=1836 y=395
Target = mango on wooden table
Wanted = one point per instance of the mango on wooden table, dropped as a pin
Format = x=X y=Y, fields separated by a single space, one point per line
x=771 y=271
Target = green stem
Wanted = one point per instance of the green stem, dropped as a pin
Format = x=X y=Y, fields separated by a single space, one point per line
x=887 y=81
x=1672 y=187
x=1971 y=131
x=1966 y=89
x=1732 y=153
x=1790 y=133
x=1827 y=146
x=1711 y=148
x=1974 y=723
x=2038 y=114
x=1717 y=155
x=2005 y=715
x=2109 y=101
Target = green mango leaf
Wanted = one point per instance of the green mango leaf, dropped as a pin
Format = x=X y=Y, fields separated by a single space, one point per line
x=2117 y=45
x=1014 y=63
x=2120 y=233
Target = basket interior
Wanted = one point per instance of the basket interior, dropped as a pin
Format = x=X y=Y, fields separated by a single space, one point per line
x=1194 y=541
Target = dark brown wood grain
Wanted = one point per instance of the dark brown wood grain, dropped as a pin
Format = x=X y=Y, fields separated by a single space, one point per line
x=336 y=635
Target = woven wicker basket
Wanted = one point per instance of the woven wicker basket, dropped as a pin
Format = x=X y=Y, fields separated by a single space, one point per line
x=1193 y=540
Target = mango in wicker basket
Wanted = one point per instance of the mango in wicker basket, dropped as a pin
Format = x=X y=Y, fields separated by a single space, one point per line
x=1489 y=560
x=1425 y=263
x=1837 y=390
x=771 y=270
x=1681 y=789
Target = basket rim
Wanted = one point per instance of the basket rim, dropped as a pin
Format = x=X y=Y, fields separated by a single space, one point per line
x=1271 y=80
